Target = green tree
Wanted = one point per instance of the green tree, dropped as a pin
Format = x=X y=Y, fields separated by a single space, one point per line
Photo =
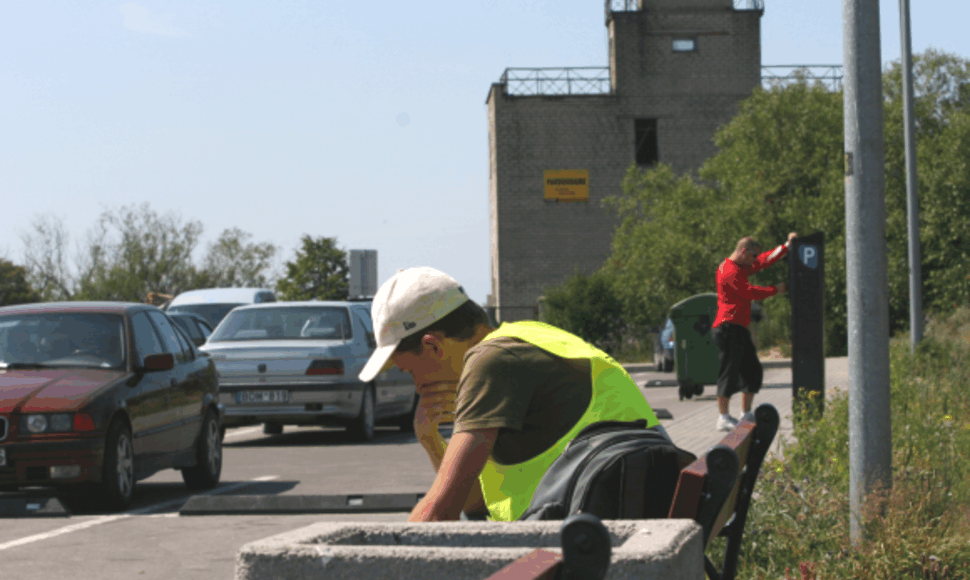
x=14 y=286
x=780 y=168
x=133 y=251
x=319 y=271
x=45 y=259
x=667 y=245
x=234 y=261
x=942 y=104
x=587 y=307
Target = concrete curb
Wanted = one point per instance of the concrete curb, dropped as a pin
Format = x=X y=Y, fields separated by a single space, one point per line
x=670 y=549
x=32 y=507
x=207 y=505
x=774 y=363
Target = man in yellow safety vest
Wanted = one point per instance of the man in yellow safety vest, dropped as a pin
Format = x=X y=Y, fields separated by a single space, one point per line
x=517 y=394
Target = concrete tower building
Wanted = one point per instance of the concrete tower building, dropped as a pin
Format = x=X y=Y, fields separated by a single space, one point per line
x=677 y=71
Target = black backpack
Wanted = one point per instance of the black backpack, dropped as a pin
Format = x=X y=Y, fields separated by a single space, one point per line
x=613 y=470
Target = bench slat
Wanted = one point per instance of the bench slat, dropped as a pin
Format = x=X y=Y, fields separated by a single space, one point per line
x=538 y=564
x=690 y=485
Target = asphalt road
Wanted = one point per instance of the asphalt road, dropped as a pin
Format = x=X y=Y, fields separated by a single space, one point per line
x=153 y=541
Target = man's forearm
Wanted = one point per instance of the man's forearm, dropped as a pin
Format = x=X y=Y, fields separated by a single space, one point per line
x=457 y=477
x=434 y=445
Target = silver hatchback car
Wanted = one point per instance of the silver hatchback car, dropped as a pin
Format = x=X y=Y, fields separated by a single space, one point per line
x=296 y=363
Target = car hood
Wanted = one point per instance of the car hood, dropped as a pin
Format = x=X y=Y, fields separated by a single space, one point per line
x=45 y=390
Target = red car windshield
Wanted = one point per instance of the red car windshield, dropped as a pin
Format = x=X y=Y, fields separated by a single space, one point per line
x=62 y=339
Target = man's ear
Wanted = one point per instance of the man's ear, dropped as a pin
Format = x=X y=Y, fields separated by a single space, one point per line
x=434 y=343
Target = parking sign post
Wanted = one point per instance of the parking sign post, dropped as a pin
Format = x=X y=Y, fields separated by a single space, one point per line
x=806 y=284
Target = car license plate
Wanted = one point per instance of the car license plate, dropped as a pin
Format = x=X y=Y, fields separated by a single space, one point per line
x=3 y=457
x=244 y=397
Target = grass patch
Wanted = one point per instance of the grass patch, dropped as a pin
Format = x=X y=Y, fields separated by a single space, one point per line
x=798 y=526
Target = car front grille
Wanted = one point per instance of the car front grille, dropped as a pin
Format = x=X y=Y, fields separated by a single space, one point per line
x=37 y=472
x=3 y=428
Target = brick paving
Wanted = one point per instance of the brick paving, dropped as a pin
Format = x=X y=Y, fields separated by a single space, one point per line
x=693 y=423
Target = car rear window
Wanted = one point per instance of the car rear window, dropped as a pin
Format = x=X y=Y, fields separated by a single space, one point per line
x=69 y=339
x=213 y=313
x=282 y=323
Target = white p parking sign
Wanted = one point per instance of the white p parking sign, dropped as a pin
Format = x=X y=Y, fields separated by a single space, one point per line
x=809 y=256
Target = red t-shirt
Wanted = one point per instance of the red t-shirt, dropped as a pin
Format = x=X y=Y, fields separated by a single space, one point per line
x=734 y=293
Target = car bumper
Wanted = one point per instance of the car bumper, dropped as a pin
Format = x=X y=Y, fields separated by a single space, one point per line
x=30 y=462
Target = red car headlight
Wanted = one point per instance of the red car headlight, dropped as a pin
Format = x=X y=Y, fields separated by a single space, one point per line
x=41 y=423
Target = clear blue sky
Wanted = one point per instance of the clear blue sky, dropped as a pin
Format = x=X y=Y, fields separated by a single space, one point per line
x=284 y=118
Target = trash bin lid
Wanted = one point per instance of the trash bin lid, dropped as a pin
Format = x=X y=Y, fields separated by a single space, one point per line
x=697 y=304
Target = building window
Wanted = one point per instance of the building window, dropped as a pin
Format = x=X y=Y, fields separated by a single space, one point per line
x=685 y=44
x=645 y=131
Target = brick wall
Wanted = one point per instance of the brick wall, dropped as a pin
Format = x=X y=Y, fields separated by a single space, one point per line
x=537 y=243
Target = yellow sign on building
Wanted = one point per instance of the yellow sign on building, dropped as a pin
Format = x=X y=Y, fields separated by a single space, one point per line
x=566 y=184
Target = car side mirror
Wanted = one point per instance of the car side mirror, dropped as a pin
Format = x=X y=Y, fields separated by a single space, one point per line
x=159 y=362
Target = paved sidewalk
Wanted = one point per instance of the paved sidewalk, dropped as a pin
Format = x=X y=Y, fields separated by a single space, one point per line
x=693 y=423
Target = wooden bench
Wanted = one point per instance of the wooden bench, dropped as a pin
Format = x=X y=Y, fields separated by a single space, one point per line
x=715 y=491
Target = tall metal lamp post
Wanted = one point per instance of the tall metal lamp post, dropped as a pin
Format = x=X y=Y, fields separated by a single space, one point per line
x=870 y=446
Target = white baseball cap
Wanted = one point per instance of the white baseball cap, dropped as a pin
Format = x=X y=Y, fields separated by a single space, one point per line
x=409 y=302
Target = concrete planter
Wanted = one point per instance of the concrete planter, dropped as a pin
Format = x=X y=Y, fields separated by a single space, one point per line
x=642 y=549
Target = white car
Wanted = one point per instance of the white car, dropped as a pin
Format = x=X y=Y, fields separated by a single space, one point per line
x=296 y=363
x=213 y=304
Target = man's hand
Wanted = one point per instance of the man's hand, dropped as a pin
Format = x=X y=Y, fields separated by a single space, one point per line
x=435 y=406
x=792 y=236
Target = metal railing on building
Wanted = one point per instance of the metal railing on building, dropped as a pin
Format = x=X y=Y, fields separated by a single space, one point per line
x=749 y=5
x=781 y=75
x=634 y=5
x=595 y=80
x=622 y=5
x=578 y=80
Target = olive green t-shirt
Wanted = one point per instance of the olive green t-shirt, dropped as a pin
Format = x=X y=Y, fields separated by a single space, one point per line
x=530 y=395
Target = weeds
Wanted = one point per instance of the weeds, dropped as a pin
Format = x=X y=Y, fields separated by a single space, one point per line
x=798 y=526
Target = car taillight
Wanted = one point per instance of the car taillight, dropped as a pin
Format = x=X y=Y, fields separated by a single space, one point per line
x=326 y=367
x=83 y=422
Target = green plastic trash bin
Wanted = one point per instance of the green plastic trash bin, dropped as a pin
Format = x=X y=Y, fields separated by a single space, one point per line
x=695 y=354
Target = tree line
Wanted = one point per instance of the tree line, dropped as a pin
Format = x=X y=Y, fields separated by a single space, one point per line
x=133 y=250
x=780 y=168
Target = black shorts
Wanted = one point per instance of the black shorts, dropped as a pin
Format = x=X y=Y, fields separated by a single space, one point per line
x=740 y=369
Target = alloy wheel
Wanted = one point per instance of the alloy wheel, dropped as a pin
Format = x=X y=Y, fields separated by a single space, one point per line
x=214 y=446
x=125 y=465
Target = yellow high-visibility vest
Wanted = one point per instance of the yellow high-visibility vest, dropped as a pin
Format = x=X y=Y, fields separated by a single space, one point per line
x=508 y=489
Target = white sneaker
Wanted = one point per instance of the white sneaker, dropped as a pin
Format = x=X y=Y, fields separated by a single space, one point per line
x=726 y=423
x=749 y=416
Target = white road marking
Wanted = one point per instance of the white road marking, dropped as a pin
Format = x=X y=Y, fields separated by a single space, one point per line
x=242 y=432
x=128 y=514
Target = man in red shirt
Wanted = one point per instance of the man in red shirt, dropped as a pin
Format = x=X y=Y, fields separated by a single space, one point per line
x=740 y=369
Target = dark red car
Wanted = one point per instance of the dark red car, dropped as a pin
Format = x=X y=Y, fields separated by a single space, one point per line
x=103 y=394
